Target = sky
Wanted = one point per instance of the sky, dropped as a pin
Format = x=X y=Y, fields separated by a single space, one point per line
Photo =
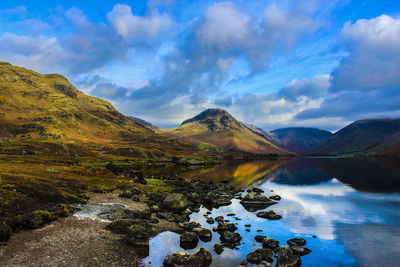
x=273 y=64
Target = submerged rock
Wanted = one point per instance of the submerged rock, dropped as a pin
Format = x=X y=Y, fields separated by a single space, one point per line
x=286 y=258
x=270 y=215
x=179 y=259
x=256 y=201
x=175 y=202
x=260 y=254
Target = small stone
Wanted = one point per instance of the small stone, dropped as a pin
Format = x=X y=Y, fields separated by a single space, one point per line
x=270 y=215
x=218 y=248
x=296 y=242
x=258 y=255
x=275 y=197
x=210 y=220
x=259 y=238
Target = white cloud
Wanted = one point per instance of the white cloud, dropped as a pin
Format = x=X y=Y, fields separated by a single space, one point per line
x=374 y=55
x=131 y=26
x=315 y=87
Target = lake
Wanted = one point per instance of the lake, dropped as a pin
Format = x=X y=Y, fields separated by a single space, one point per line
x=348 y=210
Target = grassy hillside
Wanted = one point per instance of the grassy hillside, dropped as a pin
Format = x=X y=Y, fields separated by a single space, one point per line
x=47 y=114
x=217 y=129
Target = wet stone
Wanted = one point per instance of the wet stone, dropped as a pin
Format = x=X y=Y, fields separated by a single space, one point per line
x=286 y=258
x=297 y=242
x=270 y=243
x=218 y=248
x=200 y=259
x=189 y=240
x=270 y=215
x=258 y=255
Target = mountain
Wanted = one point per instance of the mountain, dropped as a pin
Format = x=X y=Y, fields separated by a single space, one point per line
x=45 y=113
x=299 y=139
x=145 y=123
x=217 y=129
x=372 y=136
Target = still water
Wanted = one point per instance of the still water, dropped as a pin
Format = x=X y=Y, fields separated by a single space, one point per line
x=348 y=210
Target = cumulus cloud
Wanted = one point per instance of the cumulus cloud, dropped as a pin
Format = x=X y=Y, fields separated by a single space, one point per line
x=312 y=87
x=374 y=55
x=145 y=28
x=367 y=83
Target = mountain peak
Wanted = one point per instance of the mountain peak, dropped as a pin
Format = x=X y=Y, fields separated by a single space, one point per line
x=214 y=118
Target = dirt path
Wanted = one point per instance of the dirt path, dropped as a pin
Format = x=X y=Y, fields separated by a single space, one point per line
x=72 y=242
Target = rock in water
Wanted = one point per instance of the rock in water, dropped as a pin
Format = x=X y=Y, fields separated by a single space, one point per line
x=230 y=237
x=175 y=202
x=302 y=251
x=180 y=259
x=218 y=247
x=270 y=243
x=270 y=215
x=275 y=197
x=256 y=201
x=286 y=258
x=205 y=235
x=296 y=242
x=189 y=240
x=258 y=255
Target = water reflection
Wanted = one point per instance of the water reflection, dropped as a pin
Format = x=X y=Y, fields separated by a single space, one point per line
x=352 y=206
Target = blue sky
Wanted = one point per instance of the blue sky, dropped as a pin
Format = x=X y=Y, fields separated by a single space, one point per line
x=270 y=63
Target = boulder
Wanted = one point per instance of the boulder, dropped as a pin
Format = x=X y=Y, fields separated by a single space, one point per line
x=189 y=240
x=302 y=251
x=230 y=237
x=256 y=201
x=270 y=243
x=138 y=234
x=222 y=227
x=180 y=259
x=258 y=255
x=189 y=226
x=296 y=242
x=259 y=238
x=205 y=235
x=286 y=258
x=175 y=203
x=120 y=226
x=270 y=215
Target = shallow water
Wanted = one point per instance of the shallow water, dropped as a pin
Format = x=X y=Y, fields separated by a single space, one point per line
x=348 y=210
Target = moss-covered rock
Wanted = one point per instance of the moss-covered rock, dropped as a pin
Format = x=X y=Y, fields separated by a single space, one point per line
x=38 y=218
x=175 y=202
x=120 y=226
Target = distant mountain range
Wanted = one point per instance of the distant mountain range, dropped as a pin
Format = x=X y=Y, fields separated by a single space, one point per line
x=298 y=139
x=366 y=137
x=217 y=129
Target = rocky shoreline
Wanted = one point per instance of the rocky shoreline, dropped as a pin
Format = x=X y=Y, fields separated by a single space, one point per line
x=166 y=203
